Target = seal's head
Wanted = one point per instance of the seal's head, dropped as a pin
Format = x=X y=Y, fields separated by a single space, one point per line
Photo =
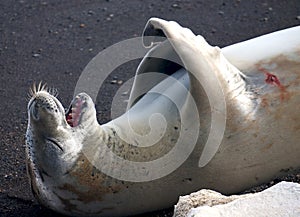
x=54 y=137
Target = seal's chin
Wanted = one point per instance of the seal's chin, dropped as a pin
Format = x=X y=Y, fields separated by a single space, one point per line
x=74 y=113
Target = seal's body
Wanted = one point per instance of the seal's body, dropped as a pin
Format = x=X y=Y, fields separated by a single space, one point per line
x=72 y=160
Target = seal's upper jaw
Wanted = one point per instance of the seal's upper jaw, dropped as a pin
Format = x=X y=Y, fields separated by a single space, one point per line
x=45 y=108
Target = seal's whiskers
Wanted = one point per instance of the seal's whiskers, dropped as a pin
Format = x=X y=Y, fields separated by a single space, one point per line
x=34 y=89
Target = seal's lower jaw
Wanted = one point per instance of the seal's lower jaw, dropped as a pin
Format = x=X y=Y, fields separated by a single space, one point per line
x=79 y=110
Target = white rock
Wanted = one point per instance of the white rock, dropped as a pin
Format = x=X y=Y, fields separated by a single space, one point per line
x=203 y=197
x=282 y=199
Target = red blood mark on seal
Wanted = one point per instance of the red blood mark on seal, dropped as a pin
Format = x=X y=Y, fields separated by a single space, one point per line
x=273 y=80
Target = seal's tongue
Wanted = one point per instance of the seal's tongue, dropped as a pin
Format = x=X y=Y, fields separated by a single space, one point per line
x=74 y=112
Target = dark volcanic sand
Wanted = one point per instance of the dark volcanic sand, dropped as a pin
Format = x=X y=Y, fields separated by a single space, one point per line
x=53 y=40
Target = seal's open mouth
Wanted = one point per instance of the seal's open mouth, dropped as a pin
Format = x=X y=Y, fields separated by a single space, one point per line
x=73 y=114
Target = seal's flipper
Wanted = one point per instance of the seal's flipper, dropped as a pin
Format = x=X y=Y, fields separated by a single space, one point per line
x=160 y=62
x=208 y=70
x=199 y=58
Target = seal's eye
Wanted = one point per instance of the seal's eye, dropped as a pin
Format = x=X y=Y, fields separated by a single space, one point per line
x=74 y=113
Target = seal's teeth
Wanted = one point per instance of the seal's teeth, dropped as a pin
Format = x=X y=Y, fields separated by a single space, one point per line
x=69 y=117
x=74 y=113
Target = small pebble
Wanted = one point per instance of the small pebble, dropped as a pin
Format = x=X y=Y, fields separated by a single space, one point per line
x=124 y=93
x=113 y=81
x=90 y=12
x=176 y=6
x=82 y=25
x=221 y=12
x=36 y=55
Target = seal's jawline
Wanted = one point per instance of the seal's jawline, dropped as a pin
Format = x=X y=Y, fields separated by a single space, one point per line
x=74 y=112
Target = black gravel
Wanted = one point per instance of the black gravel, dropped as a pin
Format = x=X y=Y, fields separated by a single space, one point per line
x=53 y=40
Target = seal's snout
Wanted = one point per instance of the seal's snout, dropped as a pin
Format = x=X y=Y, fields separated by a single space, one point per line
x=41 y=103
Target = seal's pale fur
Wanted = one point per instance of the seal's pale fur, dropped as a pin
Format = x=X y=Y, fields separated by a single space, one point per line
x=261 y=138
